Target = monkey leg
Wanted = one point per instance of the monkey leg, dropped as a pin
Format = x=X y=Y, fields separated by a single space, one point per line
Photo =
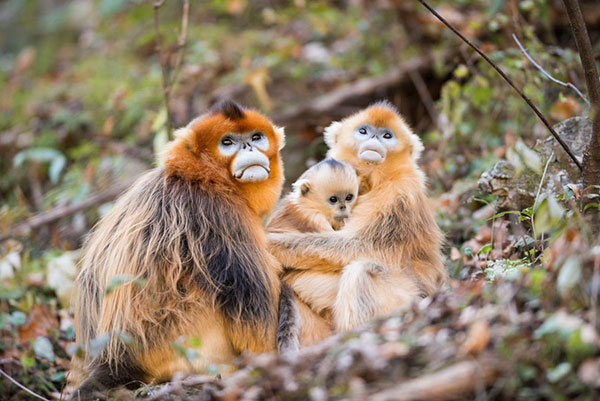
x=368 y=290
x=288 y=330
x=314 y=328
x=356 y=300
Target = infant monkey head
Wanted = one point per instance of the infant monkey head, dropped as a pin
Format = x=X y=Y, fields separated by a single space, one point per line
x=330 y=187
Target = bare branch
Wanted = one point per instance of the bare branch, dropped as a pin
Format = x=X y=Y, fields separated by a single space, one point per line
x=425 y=96
x=181 y=43
x=539 y=67
x=163 y=67
x=55 y=214
x=16 y=383
x=509 y=81
x=328 y=101
x=591 y=155
x=449 y=383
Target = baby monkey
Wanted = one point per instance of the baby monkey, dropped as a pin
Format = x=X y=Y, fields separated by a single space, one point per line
x=321 y=199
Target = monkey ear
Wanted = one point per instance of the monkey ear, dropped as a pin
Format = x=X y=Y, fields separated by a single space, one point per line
x=416 y=146
x=303 y=186
x=181 y=132
x=331 y=133
x=280 y=134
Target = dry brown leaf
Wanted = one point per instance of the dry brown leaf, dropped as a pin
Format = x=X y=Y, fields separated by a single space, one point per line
x=40 y=320
x=454 y=254
x=575 y=189
x=25 y=60
x=478 y=337
x=469 y=287
x=236 y=7
x=107 y=126
x=565 y=107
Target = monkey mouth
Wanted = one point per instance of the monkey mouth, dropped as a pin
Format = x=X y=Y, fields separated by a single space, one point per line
x=340 y=217
x=252 y=173
x=371 y=155
x=372 y=151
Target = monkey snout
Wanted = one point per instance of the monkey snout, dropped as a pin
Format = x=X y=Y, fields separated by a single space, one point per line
x=249 y=166
x=342 y=215
x=372 y=151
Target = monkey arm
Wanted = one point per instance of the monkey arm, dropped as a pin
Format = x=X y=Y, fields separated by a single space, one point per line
x=323 y=252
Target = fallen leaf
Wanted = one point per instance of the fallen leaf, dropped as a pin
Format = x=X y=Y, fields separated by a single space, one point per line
x=40 y=320
x=478 y=337
x=455 y=254
x=564 y=108
x=575 y=189
x=43 y=349
x=25 y=60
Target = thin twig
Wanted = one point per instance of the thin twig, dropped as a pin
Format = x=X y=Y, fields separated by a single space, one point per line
x=181 y=44
x=165 y=80
x=537 y=195
x=52 y=215
x=16 y=383
x=446 y=384
x=425 y=96
x=329 y=101
x=539 y=67
x=595 y=283
x=509 y=81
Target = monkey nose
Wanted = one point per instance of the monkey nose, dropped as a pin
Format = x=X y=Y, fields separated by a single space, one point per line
x=342 y=207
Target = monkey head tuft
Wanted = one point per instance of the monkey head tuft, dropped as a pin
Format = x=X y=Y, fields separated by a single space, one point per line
x=229 y=109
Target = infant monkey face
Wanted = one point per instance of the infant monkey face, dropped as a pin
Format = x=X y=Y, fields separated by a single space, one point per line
x=340 y=204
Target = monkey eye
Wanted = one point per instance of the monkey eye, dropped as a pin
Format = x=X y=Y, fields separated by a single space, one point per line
x=226 y=142
x=387 y=135
x=362 y=131
x=349 y=197
x=333 y=199
x=257 y=136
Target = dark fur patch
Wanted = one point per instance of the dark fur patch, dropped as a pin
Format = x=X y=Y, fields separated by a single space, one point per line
x=332 y=163
x=229 y=109
x=104 y=378
x=288 y=329
x=389 y=229
x=219 y=232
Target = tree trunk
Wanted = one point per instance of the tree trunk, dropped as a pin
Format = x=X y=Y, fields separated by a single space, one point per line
x=591 y=156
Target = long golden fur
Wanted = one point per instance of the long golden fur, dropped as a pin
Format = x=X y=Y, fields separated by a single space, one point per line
x=187 y=239
x=389 y=251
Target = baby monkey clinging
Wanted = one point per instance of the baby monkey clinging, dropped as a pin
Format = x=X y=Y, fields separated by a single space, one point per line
x=321 y=199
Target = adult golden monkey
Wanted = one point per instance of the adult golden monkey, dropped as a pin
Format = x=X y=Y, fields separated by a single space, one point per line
x=188 y=237
x=389 y=251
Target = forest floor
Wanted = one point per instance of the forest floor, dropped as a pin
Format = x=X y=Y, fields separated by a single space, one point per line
x=82 y=114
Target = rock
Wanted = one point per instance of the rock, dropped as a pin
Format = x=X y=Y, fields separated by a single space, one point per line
x=516 y=185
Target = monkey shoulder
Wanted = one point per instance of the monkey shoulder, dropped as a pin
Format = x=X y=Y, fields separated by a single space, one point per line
x=289 y=217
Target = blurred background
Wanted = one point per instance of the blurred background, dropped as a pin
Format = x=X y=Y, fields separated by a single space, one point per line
x=82 y=113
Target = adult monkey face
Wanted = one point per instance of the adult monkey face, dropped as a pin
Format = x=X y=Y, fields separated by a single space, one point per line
x=374 y=142
x=374 y=138
x=247 y=152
